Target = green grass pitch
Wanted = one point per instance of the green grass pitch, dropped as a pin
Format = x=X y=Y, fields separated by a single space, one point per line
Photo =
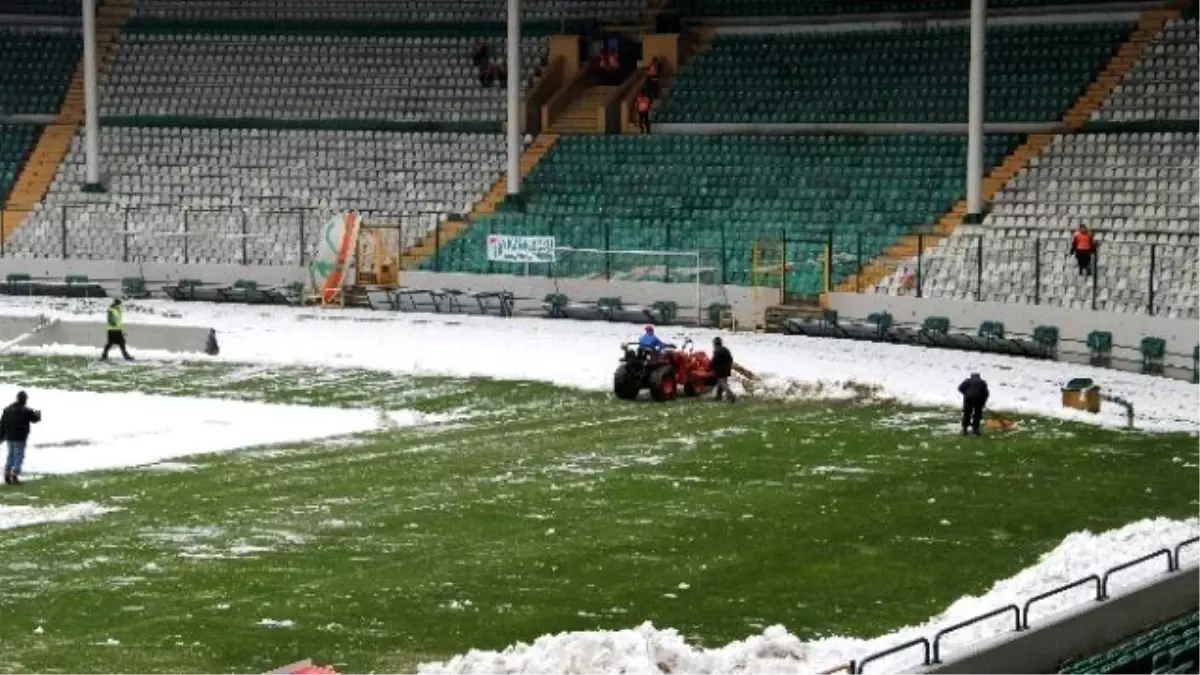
x=544 y=510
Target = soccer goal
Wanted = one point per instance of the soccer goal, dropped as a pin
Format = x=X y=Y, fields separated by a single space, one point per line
x=674 y=267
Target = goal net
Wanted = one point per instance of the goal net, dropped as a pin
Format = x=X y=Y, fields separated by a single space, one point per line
x=690 y=279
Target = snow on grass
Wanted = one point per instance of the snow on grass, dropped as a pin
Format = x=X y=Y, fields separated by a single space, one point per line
x=87 y=431
x=24 y=516
x=584 y=354
x=647 y=649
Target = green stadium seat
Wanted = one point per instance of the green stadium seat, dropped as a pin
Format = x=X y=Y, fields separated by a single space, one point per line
x=37 y=69
x=918 y=75
x=730 y=8
x=1168 y=648
x=720 y=195
x=15 y=144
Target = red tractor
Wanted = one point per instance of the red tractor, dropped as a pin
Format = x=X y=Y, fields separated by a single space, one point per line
x=665 y=373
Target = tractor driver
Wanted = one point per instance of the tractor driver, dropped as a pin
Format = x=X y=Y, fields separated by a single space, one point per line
x=649 y=344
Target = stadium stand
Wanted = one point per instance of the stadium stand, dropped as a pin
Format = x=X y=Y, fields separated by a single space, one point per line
x=416 y=11
x=1137 y=190
x=15 y=141
x=1163 y=85
x=263 y=183
x=304 y=77
x=40 y=7
x=774 y=8
x=1132 y=189
x=1173 y=647
x=731 y=191
x=920 y=75
x=37 y=67
x=634 y=194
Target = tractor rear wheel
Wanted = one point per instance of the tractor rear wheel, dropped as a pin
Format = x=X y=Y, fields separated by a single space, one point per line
x=624 y=385
x=662 y=384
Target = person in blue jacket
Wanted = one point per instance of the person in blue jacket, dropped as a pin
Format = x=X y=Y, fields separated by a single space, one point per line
x=649 y=342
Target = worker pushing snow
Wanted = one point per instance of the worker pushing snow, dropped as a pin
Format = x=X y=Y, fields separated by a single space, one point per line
x=722 y=370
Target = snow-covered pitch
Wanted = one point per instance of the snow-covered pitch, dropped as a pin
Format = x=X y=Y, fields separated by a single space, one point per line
x=583 y=355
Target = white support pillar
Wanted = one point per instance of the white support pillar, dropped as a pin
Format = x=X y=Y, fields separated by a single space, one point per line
x=91 y=97
x=975 y=109
x=514 y=97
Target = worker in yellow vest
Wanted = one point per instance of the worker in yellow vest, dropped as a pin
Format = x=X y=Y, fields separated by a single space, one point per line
x=116 y=331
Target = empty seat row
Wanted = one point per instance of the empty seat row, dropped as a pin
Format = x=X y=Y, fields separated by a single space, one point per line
x=1165 y=82
x=913 y=75
x=723 y=8
x=1146 y=222
x=635 y=193
x=304 y=77
x=228 y=196
x=35 y=69
x=457 y=11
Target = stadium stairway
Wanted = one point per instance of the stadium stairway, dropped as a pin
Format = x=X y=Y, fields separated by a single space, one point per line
x=1127 y=55
x=701 y=42
x=582 y=115
x=534 y=153
x=38 y=173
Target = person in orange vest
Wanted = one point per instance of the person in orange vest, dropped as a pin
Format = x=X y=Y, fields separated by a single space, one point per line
x=642 y=105
x=652 y=77
x=1082 y=247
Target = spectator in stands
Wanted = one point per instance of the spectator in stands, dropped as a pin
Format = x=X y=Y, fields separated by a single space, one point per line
x=14 y=428
x=610 y=67
x=652 y=69
x=490 y=73
x=642 y=106
x=975 y=395
x=116 y=331
x=1082 y=247
x=722 y=367
x=479 y=53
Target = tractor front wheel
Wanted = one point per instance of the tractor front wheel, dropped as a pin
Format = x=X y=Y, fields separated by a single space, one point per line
x=625 y=387
x=662 y=384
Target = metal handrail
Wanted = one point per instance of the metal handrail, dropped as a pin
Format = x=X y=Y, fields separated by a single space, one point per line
x=893 y=650
x=937 y=639
x=1178 y=548
x=1173 y=564
x=1091 y=578
x=1126 y=565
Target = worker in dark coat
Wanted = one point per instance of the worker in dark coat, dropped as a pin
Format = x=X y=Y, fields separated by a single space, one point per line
x=975 y=394
x=722 y=368
x=14 y=428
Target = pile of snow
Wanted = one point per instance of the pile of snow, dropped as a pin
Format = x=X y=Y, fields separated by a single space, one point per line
x=584 y=354
x=646 y=649
x=24 y=516
x=87 y=431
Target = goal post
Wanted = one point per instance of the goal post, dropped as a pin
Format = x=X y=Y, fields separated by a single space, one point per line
x=682 y=277
x=693 y=257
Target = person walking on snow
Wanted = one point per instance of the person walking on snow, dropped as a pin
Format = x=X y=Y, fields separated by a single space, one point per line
x=14 y=428
x=722 y=368
x=116 y=331
x=975 y=394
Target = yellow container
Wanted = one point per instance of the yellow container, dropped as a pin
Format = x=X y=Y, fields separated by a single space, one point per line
x=1081 y=394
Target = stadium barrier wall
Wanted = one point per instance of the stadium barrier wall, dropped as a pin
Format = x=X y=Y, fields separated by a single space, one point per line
x=743 y=303
x=1084 y=631
x=1127 y=329
x=171 y=338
